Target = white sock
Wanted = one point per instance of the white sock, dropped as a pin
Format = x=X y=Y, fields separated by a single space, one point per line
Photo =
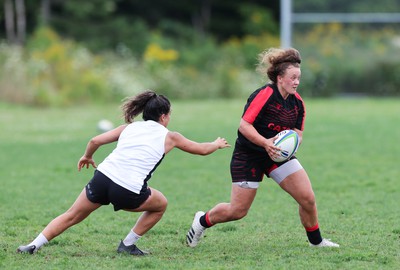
x=131 y=238
x=39 y=241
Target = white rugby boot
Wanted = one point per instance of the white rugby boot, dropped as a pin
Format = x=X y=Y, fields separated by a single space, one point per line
x=31 y=249
x=196 y=231
x=325 y=243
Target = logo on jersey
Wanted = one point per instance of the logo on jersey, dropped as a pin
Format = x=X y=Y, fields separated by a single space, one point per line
x=277 y=128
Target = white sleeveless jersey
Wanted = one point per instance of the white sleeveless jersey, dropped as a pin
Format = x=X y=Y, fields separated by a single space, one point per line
x=140 y=149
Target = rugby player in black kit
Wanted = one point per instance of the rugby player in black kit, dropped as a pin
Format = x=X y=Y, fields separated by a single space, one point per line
x=270 y=109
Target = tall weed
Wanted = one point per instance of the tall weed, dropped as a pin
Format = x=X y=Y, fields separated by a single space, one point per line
x=340 y=59
x=337 y=59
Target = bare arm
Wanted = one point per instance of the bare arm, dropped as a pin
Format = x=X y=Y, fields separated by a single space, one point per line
x=95 y=143
x=252 y=135
x=175 y=139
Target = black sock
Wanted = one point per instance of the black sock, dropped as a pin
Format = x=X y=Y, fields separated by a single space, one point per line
x=203 y=221
x=314 y=237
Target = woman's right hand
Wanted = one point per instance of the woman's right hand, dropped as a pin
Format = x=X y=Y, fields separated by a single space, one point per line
x=86 y=162
x=272 y=150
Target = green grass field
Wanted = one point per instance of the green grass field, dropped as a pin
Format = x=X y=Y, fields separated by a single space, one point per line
x=350 y=151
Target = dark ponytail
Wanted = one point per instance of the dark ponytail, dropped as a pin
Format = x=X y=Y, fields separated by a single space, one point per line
x=149 y=103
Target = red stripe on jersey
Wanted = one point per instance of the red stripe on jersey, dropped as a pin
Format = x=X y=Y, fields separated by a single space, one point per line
x=304 y=108
x=256 y=105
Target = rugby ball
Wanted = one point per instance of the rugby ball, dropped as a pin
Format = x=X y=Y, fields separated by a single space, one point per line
x=288 y=142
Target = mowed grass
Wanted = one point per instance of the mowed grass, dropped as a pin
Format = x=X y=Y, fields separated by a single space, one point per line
x=350 y=151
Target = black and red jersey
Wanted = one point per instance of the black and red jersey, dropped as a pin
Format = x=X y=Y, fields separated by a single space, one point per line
x=269 y=113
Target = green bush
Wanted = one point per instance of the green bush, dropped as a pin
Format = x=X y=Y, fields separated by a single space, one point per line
x=337 y=60
x=64 y=72
x=340 y=59
x=52 y=71
x=14 y=86
x=384 y=79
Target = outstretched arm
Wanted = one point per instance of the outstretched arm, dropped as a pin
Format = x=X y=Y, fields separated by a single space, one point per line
x=175 y=139
x=95 y=143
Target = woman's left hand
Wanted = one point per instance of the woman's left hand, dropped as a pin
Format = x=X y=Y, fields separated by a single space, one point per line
x=222 y=143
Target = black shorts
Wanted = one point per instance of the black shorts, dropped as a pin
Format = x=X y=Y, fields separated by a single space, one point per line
x=103 y=190
x=251 y=165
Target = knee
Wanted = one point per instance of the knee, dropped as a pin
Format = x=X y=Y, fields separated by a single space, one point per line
x=163 y=204
x=157 y=202
x=308 y=202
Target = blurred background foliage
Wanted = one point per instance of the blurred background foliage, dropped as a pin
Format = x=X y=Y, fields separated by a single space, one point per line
x=75 y=52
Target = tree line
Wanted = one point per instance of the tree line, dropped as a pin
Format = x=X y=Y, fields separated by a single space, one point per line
x=104 y=24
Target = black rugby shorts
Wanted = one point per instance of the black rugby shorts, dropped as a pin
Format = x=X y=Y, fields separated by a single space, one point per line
x=103 y=190
x=250 y=165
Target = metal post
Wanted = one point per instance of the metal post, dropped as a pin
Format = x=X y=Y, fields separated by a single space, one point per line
x=286 y=23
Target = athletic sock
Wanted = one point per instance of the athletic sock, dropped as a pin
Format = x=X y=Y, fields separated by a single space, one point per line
x=205 y=221
x=39 y=241
x=131 y=238
x=314 y=235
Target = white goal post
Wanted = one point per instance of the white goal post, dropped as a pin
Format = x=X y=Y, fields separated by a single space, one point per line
x=288 y=18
